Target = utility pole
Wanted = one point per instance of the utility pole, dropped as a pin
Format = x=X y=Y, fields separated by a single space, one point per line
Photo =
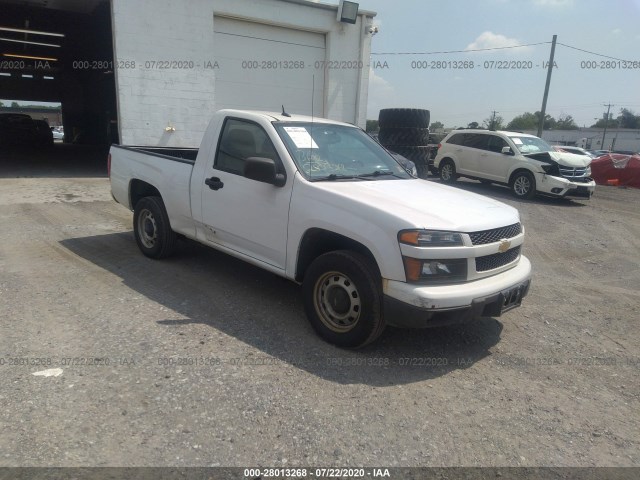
x=606 y=122
x=492 y=123
x=543 y=111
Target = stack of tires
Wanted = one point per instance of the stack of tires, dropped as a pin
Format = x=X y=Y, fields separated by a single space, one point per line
x=405 y=131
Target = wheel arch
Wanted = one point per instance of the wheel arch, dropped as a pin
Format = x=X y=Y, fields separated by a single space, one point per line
x=139 y=189
x=318 y=241
x=519 y=169
x=447 y=159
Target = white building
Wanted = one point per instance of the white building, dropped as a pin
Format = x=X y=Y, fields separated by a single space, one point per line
x=151 y=72
x=591 y=138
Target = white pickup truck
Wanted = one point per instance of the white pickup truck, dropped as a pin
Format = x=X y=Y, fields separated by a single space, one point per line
x=322 y=204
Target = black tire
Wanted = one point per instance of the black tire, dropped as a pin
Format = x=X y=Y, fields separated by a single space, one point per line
x=523 y=185
x=403 y=136
x=152 y=229
x=403 y=118
x=447 y=171
x=352 y=283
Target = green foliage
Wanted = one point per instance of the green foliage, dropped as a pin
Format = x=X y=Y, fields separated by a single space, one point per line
x=566 y=122
x=473 y=125
x=628 y=119
x=372 y=126
x=529 y=121
x=436 y=126
x=495 y=122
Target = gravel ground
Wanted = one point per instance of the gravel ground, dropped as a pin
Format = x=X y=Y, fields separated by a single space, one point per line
x=203 y=360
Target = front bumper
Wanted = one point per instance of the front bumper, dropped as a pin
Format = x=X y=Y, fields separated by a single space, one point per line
x=416 y=306
x=562 y=187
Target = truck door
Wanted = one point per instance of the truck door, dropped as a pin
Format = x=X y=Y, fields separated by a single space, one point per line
x=246 y=216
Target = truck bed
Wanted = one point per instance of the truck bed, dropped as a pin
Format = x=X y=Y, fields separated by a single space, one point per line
x=180 y=154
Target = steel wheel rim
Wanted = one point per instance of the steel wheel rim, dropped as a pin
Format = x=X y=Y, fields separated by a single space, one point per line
x=446 y=171
x=147 y=229
x=521 y=185
x=337 y=302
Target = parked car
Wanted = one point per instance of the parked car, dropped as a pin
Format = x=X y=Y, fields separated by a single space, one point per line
x=18 y=129
x=526 y=163
x=322 y=204
x=58 y=133
x=408 y=165
x=44 y=135
x=625 y=152
x=599 y=153
x=576 y=150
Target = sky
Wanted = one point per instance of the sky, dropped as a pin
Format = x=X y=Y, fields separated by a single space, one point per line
x=458 y=96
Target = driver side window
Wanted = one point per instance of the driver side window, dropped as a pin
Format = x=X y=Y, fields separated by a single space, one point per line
x=241 y=139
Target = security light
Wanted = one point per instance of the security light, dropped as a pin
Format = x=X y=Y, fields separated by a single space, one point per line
x=347 y=12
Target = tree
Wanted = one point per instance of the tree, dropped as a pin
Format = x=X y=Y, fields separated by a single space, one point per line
x=628 y=119
x=526 y=121
x=15 y=105
x=436 y=126
x=372 y=126
x=549 y=121
x=529 y=121
x=473 y=125
x=495 y=122
x=609 y=123
x=566 y=122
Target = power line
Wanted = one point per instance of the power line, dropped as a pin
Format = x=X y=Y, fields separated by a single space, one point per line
x=459 y=51
x=593 y=53
x=501 y=48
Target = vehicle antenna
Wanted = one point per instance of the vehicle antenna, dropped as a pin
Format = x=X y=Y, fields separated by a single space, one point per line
x=284 y=114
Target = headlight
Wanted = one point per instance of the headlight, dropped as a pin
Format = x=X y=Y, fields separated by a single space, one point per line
x=430 y=238
x=435 y=271
x=588 y=172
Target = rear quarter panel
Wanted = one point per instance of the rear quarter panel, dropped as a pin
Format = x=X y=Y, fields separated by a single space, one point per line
x=170 y=177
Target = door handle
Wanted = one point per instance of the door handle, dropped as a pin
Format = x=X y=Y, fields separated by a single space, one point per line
x=214 y=183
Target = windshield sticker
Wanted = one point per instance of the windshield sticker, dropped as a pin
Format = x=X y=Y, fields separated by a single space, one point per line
x=300 y=137
x=516 y=140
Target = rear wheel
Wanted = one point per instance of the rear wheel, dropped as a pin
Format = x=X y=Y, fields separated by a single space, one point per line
x=152 y=229
x=523 y=185
x=343 y=299
x=448 y=171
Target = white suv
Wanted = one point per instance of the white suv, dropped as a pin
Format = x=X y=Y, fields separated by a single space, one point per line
x=526 y=163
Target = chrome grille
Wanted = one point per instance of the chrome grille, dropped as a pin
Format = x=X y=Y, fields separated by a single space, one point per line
x=497 y=260
x=569 y=172
x=495 y=235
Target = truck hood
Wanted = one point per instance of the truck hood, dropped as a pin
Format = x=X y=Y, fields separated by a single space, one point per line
x=422 y=204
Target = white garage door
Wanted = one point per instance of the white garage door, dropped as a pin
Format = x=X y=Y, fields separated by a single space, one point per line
x=263 y=67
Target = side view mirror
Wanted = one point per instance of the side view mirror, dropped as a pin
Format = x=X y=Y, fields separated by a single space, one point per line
x=263 y=170
x=507 y=151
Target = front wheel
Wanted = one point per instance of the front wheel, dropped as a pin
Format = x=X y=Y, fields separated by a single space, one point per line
x=152 y=229
x=343 y=299
x=523 y=185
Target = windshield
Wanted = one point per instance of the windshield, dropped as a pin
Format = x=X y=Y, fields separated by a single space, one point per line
x=333 y=152
x=531 y=144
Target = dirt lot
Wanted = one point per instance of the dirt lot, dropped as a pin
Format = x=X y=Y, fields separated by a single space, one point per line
x=202 y=360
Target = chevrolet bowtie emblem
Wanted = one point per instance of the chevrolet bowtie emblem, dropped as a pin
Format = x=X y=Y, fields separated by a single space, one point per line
x=504 y=246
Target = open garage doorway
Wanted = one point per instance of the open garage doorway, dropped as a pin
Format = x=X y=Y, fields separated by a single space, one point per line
x=60 y=52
